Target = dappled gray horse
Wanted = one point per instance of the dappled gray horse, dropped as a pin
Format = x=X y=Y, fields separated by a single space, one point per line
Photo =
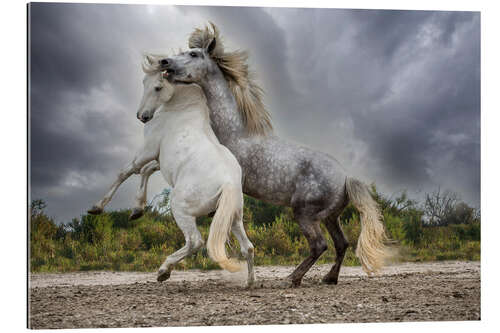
x=274 y=170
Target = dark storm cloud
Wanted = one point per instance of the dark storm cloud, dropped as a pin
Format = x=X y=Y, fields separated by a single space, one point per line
x=392 y=92
x=433 y=104
x=393 y=95
x=85 y=88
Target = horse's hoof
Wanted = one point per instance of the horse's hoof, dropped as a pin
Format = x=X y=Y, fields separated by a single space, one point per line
x=287 y=282
x=326 y=280
x=330 y=280
x=136 y=213
x=250 y=284
x=293 y=282
x=163 y=274
x=95 y=210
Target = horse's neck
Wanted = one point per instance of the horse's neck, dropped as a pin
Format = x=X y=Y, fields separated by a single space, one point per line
x=226 y=120
x=187 y=109
x=186 y=97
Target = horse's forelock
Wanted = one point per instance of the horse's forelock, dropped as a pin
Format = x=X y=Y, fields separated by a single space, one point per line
x=150 y=63
x=201 y=39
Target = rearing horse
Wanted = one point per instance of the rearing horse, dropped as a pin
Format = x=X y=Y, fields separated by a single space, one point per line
x=274 y=170
x=204 y=175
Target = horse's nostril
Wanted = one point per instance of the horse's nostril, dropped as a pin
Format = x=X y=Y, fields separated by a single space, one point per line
x=164 y=62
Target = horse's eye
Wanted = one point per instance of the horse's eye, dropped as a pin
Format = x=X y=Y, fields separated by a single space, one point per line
x=158 y=88
x=193 y=54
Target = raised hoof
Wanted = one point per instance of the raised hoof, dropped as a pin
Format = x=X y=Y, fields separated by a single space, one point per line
x=163 y=274
x=95 y=210
x=330 y=280
x=136 y=213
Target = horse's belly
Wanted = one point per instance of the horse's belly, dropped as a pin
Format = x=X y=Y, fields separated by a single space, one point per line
x=198 y=186
x=262 y=191
x=271 y=181
x=196 y=173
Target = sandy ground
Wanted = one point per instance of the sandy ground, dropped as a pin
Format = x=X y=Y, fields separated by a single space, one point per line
x=403 y=292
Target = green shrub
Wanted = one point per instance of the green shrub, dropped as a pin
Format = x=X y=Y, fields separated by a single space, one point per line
x=395 y=227
x=42 y=227
x=110 y=241
x=413 y=228
x=152 y=233
x=262 y=212
x=120 y=219
x=467 y=231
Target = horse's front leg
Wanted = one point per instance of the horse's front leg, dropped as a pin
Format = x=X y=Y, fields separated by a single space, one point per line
x=133 y=167
x=141 y=195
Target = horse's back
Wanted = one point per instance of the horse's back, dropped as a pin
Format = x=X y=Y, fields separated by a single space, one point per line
x=282 y=172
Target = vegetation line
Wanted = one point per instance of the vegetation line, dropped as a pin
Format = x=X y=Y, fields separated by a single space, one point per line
x=442 y=228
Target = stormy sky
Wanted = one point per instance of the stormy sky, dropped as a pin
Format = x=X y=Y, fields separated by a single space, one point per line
x=393 y=95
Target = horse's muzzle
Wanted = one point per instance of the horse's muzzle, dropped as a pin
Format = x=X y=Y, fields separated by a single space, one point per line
x=166 y=63
x=145 y=116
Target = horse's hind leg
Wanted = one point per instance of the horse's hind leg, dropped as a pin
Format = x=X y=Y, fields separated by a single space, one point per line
x=332 y=224
x=317 y=244
x=246 y=248
x=193 y=242
x=141 y=194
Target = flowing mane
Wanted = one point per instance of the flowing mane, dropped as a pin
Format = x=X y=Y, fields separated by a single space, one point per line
x=241 y=80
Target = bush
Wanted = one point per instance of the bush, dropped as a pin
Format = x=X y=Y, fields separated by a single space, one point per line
x=110 y=241
x=130 y=241
x=152 y=233
x=413 y=229
x=395 y=227
x=41 y=227
x=120 y=219
x=262 y=212
x=279 y=243
x=467 y=232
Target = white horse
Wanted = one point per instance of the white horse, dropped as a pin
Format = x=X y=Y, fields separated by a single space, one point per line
x=203 y=174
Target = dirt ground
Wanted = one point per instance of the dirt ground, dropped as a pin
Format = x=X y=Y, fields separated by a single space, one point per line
x=403 y=292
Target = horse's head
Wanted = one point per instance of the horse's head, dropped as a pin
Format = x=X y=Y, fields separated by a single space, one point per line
x=190 y=66
x=157 y=89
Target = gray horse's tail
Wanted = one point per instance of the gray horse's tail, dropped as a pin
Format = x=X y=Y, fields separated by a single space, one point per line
x=371 y=250
x=229 y=208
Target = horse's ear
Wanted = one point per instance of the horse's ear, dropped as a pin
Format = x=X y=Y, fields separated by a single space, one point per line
x=149 y=59
x=211 y=46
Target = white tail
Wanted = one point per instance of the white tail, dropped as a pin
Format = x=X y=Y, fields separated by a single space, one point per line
x=371 y=250
x=229 y=207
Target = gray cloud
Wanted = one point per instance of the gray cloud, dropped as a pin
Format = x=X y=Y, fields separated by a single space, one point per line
x=386 y=87
x=393 y=95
